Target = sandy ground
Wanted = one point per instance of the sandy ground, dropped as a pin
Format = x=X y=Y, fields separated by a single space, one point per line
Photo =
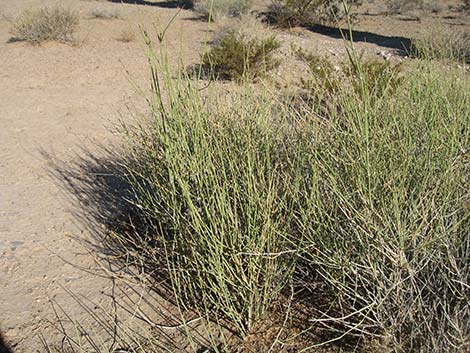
x=57 y=103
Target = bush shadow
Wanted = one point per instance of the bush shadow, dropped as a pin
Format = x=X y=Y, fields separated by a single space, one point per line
x=103 y=204
x=184 y=4
x=401 y=45
x=4 y=347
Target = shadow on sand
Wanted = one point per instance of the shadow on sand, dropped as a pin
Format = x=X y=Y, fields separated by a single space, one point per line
x=121 y=240
x=185 y=4
x=4 y=348
x=401 y=45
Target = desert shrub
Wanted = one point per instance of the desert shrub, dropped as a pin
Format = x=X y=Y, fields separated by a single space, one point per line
x=363 y=210
x=220 y=8
x=289 y=13
x=443 y=44
x=212 y=179
x=372 y=77
x=403 y=6
x=367 y=79
x=105 y=14
x=126 y=36
x=239 y=56
x=39 y=25
x=389 y=234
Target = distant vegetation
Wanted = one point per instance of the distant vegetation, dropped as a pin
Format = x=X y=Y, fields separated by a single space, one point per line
x=215 y=9
x=443 y=44
x=49 y=23
x=238 y=57
x=105 y=14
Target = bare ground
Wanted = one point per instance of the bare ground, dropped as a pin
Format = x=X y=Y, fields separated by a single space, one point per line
x=58 y=104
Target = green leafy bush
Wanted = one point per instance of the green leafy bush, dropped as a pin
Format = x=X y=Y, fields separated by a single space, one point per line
x=238 y=56
x=44 y=24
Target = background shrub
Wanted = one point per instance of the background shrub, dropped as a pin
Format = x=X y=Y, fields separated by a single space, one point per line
x=466 y=5
x=403 y=6
x=215 y=9
x=44 y=24
x=105 y=14
x=239 y=56
x=289 y=13
x=444 y=45
x=367 y=79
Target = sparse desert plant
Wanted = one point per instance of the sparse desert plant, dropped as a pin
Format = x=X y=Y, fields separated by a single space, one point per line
x=288 y=13
x=403 y=6
x=126 y=36
x=105 y=14
x=238 y=56
x=215 y=9
x=49 y=23
x=443 y=44
x=368 y=79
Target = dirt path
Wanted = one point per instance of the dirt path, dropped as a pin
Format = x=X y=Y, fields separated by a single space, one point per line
x=57 y=101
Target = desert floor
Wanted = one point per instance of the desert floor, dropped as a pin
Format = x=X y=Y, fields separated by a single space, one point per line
x=59 y=104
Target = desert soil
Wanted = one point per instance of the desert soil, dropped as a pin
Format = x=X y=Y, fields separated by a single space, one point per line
x=58 y=104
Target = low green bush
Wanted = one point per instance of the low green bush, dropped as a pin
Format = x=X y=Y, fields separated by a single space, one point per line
x=239 y=56
x=49 y=23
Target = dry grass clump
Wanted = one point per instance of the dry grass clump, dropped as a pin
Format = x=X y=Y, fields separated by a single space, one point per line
x=49 y=23
x=104 y=14
x=216 y=9
x=126 y=36
x=239 y=56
